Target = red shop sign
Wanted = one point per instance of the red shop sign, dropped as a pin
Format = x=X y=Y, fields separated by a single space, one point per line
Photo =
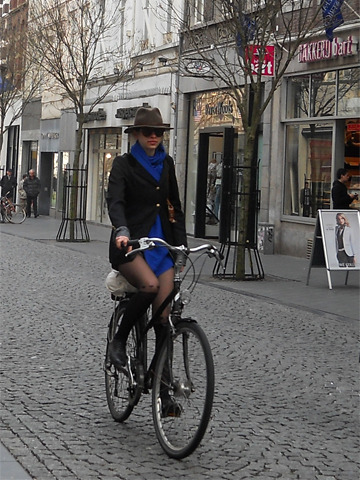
x=353 y=127
x=253 y=52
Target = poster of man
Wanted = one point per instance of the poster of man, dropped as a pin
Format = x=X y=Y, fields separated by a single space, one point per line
x=341 y=237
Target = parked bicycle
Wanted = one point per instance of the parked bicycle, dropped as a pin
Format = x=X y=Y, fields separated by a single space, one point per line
x=11 y=212
x=182 y=365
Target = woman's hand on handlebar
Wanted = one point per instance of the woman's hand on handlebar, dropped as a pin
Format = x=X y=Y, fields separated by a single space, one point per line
x=122 y=243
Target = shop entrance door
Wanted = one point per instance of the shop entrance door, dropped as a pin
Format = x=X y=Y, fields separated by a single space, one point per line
x=45 y=174
x=216 y=153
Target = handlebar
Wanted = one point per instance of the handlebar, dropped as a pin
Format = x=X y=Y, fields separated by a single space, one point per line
x=147 y=243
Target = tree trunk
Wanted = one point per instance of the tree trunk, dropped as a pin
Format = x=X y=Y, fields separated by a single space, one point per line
x=244 y=235
x=74 y=181
x=1 y=132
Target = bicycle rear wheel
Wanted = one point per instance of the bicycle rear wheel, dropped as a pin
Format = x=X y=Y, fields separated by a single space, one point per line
x=119 y=394
x=192 y=389
x=15 y=213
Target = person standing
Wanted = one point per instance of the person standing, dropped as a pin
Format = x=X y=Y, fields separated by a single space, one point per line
x=8 y=184
x=305 y=200
x=32 y=188
x=340 y=196
x=22 y=193
x=218 y=180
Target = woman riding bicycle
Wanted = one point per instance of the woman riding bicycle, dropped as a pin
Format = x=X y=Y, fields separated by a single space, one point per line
x=143 y=200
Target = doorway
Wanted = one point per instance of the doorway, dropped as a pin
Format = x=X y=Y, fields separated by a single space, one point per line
x=216 y=154
x=45 y=174
x=105 y=145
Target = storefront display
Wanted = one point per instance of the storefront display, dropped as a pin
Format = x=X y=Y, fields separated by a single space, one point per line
x=310 y=146
x=105 y=145
x=212 y=114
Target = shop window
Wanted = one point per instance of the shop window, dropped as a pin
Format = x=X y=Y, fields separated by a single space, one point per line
x=349 y=92
x=298 y=104
x=308 y=169
x=322 y=94
x=352 y=156
x=106 y=145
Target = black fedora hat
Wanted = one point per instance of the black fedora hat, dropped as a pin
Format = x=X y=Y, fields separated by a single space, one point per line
x=148 y=117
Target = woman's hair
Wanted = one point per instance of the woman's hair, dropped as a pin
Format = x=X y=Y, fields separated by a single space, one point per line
x=341 y=215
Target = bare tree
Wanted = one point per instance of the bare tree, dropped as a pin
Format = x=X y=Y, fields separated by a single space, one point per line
x=19 y=82
x=75 y=44
x=249 y=45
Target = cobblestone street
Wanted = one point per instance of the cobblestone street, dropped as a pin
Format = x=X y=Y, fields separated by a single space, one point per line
x=287 y=381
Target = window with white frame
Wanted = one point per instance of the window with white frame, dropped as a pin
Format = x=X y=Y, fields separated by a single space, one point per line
x=202 y=11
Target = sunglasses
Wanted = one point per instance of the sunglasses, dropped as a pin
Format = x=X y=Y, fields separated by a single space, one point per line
x=148 y=131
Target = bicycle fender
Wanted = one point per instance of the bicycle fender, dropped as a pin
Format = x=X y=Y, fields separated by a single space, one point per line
x=187 y=319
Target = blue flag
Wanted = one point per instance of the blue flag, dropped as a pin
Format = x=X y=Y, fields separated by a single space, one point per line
x=249 y=29
x=331 y=10
x=5 y=85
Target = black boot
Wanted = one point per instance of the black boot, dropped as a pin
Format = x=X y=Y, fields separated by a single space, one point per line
x=117 y=352
x=136 y=307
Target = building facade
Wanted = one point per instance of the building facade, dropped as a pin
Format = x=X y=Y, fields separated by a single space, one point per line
x=318 y=131
x=309 y=130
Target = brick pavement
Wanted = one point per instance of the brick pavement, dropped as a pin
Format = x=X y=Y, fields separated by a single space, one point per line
x=287 y=386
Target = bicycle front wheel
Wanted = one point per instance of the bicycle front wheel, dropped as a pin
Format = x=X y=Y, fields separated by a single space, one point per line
x=119 y=392
x=184 y=380
x=15 y=213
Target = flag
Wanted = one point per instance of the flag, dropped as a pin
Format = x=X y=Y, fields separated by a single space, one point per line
x=248 y=27
x=332 y=16
x=5 y=85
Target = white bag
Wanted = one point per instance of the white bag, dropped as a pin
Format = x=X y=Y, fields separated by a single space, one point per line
x=118 y=285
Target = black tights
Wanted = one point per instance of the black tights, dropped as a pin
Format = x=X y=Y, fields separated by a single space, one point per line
x=151 y=290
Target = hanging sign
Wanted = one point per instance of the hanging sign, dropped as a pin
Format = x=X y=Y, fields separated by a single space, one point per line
x=267 y=65
x=198 y=67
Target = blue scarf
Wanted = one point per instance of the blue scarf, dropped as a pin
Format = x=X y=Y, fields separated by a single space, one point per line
x=159 y=259
x=154 y=165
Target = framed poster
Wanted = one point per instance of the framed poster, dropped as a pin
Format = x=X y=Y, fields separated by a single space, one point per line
x=340 y=231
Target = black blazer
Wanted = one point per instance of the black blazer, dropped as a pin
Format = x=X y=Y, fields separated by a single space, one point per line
x=340 y=197
x=135 y=198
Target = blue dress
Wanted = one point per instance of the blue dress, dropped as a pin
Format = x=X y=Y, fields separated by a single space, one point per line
x=158 y=259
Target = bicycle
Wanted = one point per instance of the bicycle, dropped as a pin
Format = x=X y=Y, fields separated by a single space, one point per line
x=11 y=212
x=182 y=365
